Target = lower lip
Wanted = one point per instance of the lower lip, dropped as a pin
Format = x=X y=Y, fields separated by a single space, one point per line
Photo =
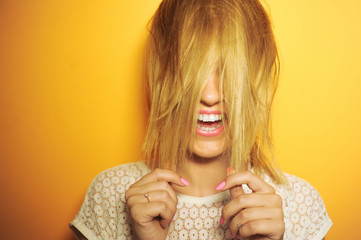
x=212 y=133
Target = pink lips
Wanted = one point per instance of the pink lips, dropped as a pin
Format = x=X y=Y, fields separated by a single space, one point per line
x=214 y=132
x=202 y=111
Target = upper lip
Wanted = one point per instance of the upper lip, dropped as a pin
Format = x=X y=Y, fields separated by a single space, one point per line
x=203 y=111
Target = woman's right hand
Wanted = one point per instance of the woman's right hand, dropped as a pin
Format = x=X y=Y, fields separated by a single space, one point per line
x=151 y=219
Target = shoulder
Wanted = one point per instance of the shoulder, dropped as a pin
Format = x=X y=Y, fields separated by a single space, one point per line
x=103 y=214
x=122 y=175
x=305 y=213
x=116 y=180
x=128 y=170
x=302 y=193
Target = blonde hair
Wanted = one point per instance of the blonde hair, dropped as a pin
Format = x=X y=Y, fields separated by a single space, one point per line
x=188 y=40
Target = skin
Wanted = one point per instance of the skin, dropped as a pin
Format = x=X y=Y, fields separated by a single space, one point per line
x=250 y=216
x=208 y=152
x=210 y=147
x=258 y=215
x=151 y=220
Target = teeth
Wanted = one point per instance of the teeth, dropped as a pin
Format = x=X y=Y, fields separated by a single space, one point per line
x=209 y=128
x=212 y=118
x=205 y=118
x=209 y=117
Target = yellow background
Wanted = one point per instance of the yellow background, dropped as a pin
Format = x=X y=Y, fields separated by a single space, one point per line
x=71 y=104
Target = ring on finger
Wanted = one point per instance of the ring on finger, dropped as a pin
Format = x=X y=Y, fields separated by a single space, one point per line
x=146 y=195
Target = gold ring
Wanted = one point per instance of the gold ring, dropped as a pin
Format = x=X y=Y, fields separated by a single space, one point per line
x=146 y=195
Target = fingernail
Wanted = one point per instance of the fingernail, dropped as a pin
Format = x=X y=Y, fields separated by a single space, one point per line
x=230 y=234
x=171 y=221
x=185 y=182
x=221 y=220
x=221 y=185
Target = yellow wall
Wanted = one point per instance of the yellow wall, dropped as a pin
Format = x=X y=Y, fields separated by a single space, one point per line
x=71 y=104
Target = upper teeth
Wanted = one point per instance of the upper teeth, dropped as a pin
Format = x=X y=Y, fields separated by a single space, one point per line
x=209 y=117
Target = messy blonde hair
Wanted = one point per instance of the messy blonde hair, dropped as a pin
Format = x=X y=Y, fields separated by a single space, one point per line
x=188 y=40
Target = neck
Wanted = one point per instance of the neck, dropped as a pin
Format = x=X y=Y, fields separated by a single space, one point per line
x=203 y=175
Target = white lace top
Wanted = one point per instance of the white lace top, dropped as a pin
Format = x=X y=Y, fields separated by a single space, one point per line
x=103 y=214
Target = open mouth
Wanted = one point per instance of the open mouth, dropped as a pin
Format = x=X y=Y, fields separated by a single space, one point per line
x=210 y=123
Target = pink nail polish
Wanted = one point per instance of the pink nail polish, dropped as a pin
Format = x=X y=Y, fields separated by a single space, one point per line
x=171 y=221
x=230 y=234
x=221 y=185
x=221 y=220
x=185 y=182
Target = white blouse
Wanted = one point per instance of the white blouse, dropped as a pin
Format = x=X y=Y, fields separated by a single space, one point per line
x=104 y=215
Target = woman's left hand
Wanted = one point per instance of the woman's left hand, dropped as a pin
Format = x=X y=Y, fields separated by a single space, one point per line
x=258 y=215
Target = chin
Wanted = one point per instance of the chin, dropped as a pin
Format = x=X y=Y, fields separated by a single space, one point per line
x=202 y=151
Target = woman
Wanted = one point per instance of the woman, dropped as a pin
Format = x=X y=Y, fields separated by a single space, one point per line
x=212 y=70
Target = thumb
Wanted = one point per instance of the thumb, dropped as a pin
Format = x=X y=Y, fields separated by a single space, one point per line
x=236 y=190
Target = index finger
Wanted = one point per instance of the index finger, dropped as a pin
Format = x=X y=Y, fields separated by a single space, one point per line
x=255 y=183
x=159 y=174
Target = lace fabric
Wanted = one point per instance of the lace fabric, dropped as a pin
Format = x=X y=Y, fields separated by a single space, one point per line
x=104 y=215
